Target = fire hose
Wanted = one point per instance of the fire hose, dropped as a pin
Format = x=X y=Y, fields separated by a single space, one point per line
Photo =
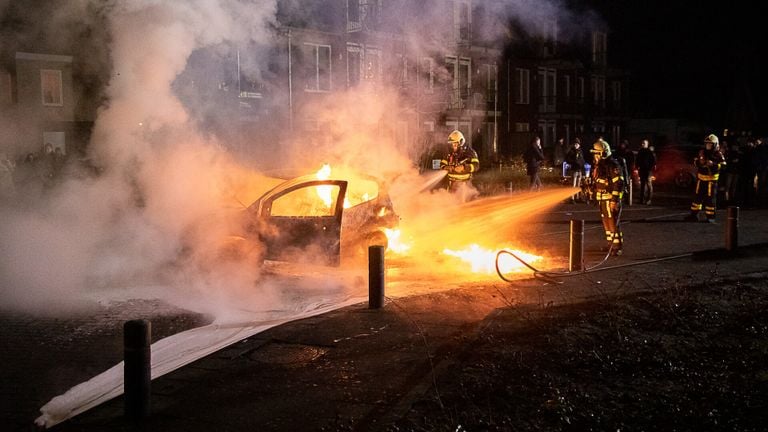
x=551 y=276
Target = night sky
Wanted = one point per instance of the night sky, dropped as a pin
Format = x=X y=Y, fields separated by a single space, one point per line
x=692 y=59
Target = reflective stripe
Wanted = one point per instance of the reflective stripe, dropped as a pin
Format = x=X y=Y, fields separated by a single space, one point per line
x=459 y=177
x=704 y=177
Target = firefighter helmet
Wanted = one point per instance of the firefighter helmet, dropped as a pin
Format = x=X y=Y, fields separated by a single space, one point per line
x=456 y=137
x=712 y=139
x=601 y=148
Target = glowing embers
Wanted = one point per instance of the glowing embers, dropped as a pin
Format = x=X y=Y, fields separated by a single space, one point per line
x=484 y=260
x=394 y=243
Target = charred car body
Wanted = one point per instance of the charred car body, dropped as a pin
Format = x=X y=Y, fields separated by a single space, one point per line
x=320 y=221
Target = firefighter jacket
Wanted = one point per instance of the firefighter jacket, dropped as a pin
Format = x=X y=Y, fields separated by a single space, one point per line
x=708 y=164
x=461 y=164
x=608 y=181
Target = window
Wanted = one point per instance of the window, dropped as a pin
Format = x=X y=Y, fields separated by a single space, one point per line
x=599 y=48
x=523 y=87
x=547 y=129
x=318 y=72
x=363 y=65
x=462 y=19
x=582 y=92
x=372 y=65
x=616 y=93
x=598 y=127
x=522 y=127
x=353 y=15
x=547 y=89
x=428 y=74
x=402 y=75
x=460 y=71
x=363 y=15
x=248 y=83
x=51 y=87
x=598 y=90
x=354 y=62
x=307 y=201
x=567 y=87
x=491 y=85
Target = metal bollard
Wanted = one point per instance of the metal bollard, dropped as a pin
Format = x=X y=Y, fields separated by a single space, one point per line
x=576 y=254
x=375 y=277
x=732 y=229
x=137 y=368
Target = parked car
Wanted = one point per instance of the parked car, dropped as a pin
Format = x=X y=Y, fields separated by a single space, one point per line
x=320 y=221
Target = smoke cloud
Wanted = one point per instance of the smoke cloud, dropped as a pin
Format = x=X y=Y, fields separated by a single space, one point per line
x=156 y=214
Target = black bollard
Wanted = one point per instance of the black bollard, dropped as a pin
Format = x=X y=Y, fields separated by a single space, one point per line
x=576 y=255
x=732 y=229
x=137 y=368
x=375 y=277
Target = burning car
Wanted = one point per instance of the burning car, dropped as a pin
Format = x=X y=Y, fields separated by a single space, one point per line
x=320 y=219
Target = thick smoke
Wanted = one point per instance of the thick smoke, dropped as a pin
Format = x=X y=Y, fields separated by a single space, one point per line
x=153 y=217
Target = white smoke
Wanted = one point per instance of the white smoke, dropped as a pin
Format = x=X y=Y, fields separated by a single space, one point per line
x=153 y=215
x=160 y=177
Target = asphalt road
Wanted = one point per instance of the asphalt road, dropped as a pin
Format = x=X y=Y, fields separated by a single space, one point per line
x=333 y=368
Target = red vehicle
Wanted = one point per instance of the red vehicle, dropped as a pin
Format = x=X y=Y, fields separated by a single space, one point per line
x=674 y=165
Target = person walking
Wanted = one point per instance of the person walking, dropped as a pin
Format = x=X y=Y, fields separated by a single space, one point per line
x=645 y=163
x=708 y=164
x=534 y=157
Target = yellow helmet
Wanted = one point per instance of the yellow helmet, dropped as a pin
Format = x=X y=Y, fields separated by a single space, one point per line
x=601 y=148
x=456 y=137
x=712 y=138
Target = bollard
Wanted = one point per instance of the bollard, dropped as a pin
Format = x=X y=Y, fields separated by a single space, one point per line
x=137 y=367
x=732 y=229
x=375 y=277
x=576 y=255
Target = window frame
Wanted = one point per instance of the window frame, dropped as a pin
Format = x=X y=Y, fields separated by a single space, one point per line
x=462 y=30
x=315 y=47
x=523 y=87
x=57 y=79
x=599 y=47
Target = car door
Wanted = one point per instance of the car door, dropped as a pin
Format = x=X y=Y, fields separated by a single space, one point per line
x=302 y=222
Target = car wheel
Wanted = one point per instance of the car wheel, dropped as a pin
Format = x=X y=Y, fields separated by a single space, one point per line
x=684 y=179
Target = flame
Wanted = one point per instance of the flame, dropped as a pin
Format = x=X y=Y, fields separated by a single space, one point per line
x=484 y=260
x=394 y=243
x=324 y=192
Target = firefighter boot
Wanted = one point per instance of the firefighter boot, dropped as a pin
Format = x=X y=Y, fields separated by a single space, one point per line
x=693 y=217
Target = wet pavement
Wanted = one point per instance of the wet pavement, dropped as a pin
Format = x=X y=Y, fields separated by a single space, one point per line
x=356 y=368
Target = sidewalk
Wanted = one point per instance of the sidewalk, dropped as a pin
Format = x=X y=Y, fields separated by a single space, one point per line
x=361 y=369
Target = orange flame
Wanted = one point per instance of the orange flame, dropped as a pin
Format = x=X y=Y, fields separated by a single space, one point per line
x=395 y=244
x=324 y=192
x=484 y=260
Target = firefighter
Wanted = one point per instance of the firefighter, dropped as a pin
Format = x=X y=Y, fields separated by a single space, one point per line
x=607 y=188
x=460 y=163
x=708 y=164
